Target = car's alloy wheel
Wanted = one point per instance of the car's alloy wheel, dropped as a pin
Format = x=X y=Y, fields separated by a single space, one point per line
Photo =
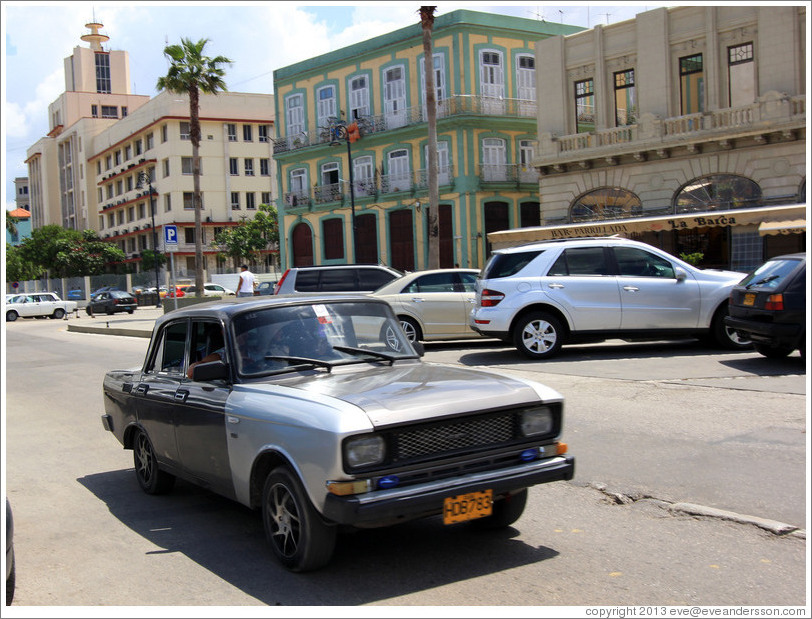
x=725 y=336
x=411 y=329
x=538 y=335
x=294 y=529
x=151 y=478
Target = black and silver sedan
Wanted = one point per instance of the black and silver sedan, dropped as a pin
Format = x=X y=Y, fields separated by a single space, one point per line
x=112 y=301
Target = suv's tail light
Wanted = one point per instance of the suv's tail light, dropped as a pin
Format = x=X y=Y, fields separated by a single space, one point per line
x=489 y=298
x=775 y=302
x=279 y=283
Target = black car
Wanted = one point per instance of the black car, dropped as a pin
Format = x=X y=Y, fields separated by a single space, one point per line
x=11 y=572
x=112 y=301
x=265 y=288
x=769 y=306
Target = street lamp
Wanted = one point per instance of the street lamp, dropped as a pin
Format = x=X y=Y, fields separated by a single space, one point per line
x=340 y=131
x=144 y=178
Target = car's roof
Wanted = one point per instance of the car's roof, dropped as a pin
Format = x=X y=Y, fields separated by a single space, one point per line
x=344 y=266
x=797 y=256
x=226 y=308
x=591 y=240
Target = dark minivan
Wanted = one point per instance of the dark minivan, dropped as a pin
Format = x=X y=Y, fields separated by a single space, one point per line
x=769 y=306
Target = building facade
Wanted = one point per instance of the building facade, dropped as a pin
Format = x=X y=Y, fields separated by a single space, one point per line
x=367 y=201
x=106 y=147
x=684 y=128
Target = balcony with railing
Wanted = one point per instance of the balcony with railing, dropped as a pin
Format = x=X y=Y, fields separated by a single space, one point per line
x=452 y=107
x=771 y=114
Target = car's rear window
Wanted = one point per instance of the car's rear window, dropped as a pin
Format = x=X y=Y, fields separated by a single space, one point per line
x=505 y=265
x=307 y=281
x=770 y=275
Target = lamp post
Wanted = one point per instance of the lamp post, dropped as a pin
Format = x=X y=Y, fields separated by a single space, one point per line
x=143 y=177
x=340 y=131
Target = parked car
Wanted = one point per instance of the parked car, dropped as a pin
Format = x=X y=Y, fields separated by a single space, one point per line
x=316 y=410
x=264 y=288
x=433 y=304
x=769 y=306
x=176 y=292
x=38 y=305
x=336 y=278
x=103 y=289
x=111 y=302
x=210 y=290
x=11 y=568
x=543 y=295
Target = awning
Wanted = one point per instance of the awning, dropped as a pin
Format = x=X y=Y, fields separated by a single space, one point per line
x=683 y=221
x=783 y=226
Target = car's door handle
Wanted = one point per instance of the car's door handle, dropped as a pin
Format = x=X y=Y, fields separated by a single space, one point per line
x=417 y=299
x=631 y=288
x=233 y=419
x=142 y=389
x=181 y=395
x=555 y=286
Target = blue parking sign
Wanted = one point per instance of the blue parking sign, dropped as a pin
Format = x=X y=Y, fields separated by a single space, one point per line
x=171 y=235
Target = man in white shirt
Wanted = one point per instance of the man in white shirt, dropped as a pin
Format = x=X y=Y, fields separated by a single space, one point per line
x=245 y=288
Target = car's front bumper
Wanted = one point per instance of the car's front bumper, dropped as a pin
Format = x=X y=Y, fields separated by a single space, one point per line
x=386 y=506
x=775 y=334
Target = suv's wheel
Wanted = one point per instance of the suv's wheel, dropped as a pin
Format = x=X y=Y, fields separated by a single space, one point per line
x=725 y=336
x=773 y=352
x=505 y=511
x=538 y=335
x=11 y=316
x=151 y=479
x=294 y=529
x=411 y=329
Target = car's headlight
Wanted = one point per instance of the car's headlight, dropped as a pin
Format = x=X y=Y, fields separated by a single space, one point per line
x=537 y=421
x=364 y=450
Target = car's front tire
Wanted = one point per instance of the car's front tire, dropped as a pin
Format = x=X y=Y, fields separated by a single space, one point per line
x=773 y=352
x=151 y=478
x=11 y=316
x=298 y=536
x=411 y=329
x=538 y=335
x=505 y=511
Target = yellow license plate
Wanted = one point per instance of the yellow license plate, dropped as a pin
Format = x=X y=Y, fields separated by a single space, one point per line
x=749 y=298
x=467 y=506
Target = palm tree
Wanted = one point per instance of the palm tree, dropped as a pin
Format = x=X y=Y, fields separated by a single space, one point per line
x=191 y=72
x=427 y=21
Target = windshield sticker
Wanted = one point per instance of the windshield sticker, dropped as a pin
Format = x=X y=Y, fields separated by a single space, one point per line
x=322 y=314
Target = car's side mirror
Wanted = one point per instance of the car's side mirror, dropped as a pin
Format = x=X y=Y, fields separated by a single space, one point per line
x=213 y=370
x=680 y=274
x=419 y=348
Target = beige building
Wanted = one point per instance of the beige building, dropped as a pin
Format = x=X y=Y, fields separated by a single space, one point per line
x=684 y=128
x=97 y=94
x=236 y=173
x=102 y=140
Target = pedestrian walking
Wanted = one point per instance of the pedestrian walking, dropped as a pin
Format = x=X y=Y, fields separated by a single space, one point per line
x=245 y=287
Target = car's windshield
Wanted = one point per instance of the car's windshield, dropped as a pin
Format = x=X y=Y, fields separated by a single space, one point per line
x=289 y=338
x=770 y=274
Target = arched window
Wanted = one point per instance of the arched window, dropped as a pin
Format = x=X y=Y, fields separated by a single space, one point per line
x=605 y=203
x=717 y=192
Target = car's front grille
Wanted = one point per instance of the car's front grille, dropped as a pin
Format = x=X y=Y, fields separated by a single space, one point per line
x=418 y=443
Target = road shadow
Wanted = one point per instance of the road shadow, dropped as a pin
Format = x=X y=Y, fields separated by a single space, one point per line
x=369 y=566
x=759 y=365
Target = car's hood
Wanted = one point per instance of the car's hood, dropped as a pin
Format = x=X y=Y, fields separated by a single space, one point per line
x=718 y=275
x=391 y=395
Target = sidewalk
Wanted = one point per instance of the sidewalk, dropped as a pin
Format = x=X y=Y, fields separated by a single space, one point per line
x=137 y=324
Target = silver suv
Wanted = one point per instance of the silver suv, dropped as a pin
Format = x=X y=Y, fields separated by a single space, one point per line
x=543 y=295
x=336 y=278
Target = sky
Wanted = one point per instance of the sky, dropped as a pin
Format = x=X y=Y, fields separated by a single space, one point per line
x=258 y=37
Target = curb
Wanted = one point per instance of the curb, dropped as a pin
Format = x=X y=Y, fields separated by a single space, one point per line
x=110 y=330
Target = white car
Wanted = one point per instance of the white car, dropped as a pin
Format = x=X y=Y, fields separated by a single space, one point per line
x=38 y=305
x=433 y=304
x=542 y=295
x=210 y=290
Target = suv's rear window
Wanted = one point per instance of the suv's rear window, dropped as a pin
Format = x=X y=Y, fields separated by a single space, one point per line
x=505 y=265
x=770 y=274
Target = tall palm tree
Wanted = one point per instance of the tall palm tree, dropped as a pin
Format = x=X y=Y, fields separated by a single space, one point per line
x=191 y=72
x=427 y=21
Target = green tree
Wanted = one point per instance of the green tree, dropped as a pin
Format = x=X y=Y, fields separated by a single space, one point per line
x=86 y=255
x=190 y=73
x=149 y=259
x=18 y=269
x=248 y=238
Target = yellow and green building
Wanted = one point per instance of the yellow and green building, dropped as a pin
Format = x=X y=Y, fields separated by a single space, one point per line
x=366 y=201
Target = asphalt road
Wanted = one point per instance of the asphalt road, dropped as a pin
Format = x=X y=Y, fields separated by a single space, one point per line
x=650 y=439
